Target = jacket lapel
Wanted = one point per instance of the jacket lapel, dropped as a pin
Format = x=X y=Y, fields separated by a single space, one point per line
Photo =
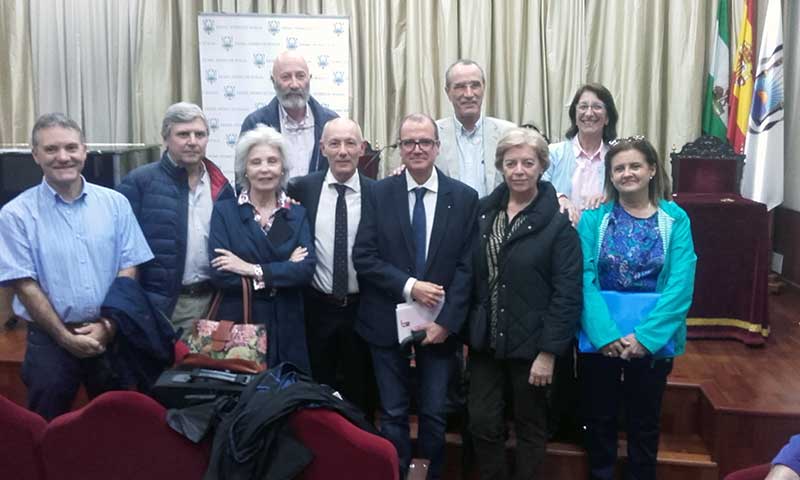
x=489 y=148
x=314 y=195
x=444 y=206
x=400 y=194
x=448 y=153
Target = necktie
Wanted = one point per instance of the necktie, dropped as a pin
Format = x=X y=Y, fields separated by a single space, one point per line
x=418 y=226
x=340 y=245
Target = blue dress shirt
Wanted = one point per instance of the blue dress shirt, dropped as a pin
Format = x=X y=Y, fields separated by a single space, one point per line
x=74 y=250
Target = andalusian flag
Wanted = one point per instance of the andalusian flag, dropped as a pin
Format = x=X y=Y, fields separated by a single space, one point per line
x=742 y=82
x=715 y=108
x=763 y=172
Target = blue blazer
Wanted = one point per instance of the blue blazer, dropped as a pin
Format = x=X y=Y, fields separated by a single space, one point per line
x=270 y=116
x=280 y=305
x=383 y=255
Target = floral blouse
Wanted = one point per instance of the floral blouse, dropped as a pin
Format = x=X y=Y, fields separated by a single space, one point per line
x=632 y=253
x=283 y=202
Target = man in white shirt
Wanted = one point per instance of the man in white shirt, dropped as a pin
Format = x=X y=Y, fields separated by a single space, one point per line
x=469 y=139
x=332 y=198
x=172 y=200
x=294 y=113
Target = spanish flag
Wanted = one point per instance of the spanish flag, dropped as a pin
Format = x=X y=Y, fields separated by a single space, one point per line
x=742 y=80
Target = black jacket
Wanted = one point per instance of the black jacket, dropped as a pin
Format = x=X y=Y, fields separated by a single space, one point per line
x=252 y=440
x=144 y=345
x=540 y=281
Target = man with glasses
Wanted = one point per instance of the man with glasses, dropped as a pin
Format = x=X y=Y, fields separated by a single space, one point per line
x=333 y=197
x=414 y=244
x=469 y=139
x=294 y=113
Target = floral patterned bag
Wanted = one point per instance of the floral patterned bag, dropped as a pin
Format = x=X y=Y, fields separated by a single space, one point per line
x=225 y=345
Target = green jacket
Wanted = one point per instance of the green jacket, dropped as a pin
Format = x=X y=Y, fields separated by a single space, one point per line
x=675 y=282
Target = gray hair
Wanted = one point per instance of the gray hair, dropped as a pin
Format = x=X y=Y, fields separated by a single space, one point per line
x=522 y=137
x=465 y=62
x=418 y=118
x=181 y=112
x=49 y=120
x=261 y=135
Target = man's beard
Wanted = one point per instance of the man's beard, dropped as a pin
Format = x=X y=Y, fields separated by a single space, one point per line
x=291 y=100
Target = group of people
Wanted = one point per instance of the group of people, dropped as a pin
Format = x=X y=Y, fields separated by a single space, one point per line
x=512 y=239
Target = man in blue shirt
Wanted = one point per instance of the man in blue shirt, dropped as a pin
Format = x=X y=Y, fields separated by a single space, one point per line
x=62 y=243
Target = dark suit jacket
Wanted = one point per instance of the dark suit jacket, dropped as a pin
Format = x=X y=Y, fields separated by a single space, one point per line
x=307 y=189
x=270 y=116
x=233 y=228
x=383 y=255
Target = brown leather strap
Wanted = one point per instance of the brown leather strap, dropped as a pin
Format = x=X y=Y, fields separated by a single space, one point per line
x=247 y=296
x=214 y=308
x=221 y=335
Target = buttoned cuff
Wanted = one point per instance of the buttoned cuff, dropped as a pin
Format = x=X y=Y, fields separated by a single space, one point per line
x=407 y=289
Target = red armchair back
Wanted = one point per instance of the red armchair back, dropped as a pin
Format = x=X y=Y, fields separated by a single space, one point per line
x=342 y=450
x=707 y=165
x=21 y=432
x=121 y=435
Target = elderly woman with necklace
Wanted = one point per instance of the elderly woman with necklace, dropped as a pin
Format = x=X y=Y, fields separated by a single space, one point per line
x=265 y=238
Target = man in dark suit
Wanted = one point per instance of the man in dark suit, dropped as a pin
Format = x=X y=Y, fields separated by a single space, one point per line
x=417 y=233
x=294 y=113
x=332 y=198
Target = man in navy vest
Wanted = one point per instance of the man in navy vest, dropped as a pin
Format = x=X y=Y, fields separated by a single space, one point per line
x=294 y=113
x=414 y=243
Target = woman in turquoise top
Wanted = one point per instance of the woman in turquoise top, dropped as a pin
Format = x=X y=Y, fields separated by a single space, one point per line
x=639 y=241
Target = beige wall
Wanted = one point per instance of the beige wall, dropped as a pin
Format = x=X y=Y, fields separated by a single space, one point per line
x=791 y=42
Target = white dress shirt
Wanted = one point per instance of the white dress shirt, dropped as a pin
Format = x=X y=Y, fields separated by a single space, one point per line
x=432 y=185
x=299 y=141
x=325 y=227
x=197 y=267
x=471 y=156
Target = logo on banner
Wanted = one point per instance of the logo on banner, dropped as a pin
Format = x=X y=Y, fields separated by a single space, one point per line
x=227 y=42
x=211 y=75
x=273 y=27
x=230 y=139
x=259 y=60
x=213 y=124
x=338 y=78
x=291 y=43
x=323 y=61
x=338 y=28
x=230 y=91
x=208 y=25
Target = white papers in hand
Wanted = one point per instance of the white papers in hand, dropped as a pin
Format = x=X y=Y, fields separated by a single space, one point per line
x=412 y=315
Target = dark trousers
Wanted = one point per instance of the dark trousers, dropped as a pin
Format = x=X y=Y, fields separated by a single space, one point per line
x=339 y=357
x=487 y=403
x=392 y=373
x=52 y=375
x=639 y=384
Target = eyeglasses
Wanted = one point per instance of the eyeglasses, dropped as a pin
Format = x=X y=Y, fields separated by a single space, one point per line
x=597 y=107
x=424 y=144
x=631 y=139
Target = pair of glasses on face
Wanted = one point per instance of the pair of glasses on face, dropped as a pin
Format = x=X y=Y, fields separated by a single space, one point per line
x=631 y=139
x=424 y=144
x=596 y=107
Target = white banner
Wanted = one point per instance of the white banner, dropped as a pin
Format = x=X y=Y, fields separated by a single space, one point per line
x=236 y=56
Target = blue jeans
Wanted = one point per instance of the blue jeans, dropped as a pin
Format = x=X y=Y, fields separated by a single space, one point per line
x=52 y=375
x=392 y=373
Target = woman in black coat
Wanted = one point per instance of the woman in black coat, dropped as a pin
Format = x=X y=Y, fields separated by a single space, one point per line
x=526 y=307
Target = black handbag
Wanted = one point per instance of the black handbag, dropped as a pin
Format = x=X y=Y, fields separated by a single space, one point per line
x=184 y=388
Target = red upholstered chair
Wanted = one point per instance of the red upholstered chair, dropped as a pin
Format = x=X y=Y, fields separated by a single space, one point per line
x=707 y=165
x=21 y=433
x=120 y=435
x=342 y=450
x=758 y=472
x=368 y=163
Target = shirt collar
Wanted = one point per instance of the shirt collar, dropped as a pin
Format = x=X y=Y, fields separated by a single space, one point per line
x=462 y=131
x=581 y=153
x=432 y=184
x=52 y=193
x=287 y=121
x=353 y=183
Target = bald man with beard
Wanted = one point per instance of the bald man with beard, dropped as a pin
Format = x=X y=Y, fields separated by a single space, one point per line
x=294 y=113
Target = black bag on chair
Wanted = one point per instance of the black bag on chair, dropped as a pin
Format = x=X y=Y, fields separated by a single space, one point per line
x=184 y=388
